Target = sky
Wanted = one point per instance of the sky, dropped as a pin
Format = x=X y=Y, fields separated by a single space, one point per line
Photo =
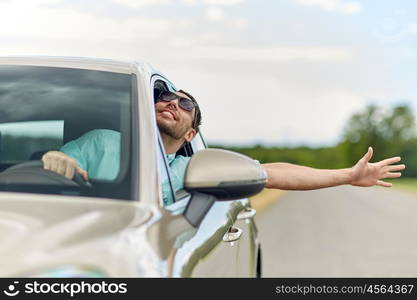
x=272 y=72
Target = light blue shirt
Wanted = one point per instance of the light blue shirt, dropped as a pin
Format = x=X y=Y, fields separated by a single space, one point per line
x=98 y=152
x=177 y=165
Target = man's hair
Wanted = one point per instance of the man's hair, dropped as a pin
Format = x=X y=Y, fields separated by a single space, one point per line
x=197 y=115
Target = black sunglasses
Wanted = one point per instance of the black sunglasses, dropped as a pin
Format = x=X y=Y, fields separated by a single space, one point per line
x=183 y=102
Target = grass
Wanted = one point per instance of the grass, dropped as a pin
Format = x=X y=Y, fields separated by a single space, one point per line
x=405 y=184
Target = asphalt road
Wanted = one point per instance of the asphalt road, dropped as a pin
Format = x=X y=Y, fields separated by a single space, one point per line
x=340 y=232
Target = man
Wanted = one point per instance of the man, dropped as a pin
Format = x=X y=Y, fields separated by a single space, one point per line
x=96 y=154
x=178 y=117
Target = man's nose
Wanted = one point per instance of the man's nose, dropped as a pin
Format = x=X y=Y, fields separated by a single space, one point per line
x=173 y=103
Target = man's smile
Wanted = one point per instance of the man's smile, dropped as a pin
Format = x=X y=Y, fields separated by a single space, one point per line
x=169 y=113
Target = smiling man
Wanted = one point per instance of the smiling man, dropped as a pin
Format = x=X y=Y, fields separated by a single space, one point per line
x=96 y=154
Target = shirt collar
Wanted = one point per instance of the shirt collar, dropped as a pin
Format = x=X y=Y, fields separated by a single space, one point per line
x=171 y=157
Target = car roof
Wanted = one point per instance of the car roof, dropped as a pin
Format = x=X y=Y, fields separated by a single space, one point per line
x=90 y=63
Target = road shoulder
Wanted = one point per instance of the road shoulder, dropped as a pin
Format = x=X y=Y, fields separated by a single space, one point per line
x=266 y=198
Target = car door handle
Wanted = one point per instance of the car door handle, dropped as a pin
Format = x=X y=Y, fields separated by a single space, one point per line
x=246 y=214
x=233 y=234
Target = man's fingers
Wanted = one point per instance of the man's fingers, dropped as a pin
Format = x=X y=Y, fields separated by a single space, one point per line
x=54 y=166
x=383 y=183
x=367 y=157
x=392 y=175
x=60 y=163
x=83 y=173
x=69 y=172
x=393 y=168
x=46 y=163
x=62 y=167
x=389 y=161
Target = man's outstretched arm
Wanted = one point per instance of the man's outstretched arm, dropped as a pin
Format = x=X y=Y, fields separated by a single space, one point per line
x=287 y=176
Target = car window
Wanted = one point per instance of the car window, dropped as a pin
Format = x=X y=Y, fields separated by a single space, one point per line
x=20 y=141
x=167 y=174
x=84 y=113
x=198 y=143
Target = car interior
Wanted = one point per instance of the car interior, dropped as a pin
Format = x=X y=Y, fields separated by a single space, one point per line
x=80 y=100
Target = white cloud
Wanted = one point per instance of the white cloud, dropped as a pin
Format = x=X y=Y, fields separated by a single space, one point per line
x=38 y=2
x=190 y=2
x=222 y=2
x=333 y=5
x=142 y=3
x=239 y=23
x=30 y=4
x=412 y=28
x=59 y=23
x=215 y=14
x=275 y=54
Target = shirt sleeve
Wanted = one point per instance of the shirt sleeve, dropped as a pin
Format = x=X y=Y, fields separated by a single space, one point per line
x=72 y=149
x=97 y=152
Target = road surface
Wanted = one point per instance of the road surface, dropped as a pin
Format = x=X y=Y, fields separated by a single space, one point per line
x=340 y=232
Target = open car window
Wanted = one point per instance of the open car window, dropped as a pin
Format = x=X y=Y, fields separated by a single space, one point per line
x=174 y=196
x=84 y=113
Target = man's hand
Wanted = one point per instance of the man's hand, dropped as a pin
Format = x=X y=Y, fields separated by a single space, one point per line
x=63 y=164
x=365 y=173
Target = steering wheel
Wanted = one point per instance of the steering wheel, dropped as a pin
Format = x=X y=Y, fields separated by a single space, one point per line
x=32 y=172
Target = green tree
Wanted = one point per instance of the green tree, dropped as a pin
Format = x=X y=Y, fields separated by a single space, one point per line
x=391 y=132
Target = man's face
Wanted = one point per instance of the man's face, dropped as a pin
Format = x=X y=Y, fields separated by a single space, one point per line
x=173 y=120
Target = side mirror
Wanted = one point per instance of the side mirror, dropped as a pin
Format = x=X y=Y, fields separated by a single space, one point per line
x=224 y=174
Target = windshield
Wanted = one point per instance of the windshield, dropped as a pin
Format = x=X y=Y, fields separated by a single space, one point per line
x=82 y=113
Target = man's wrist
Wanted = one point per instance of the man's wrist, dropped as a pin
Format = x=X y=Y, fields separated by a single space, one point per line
x=349 y=176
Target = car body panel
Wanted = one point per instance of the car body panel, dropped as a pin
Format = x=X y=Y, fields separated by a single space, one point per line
x=205 y=253
x=41 y=232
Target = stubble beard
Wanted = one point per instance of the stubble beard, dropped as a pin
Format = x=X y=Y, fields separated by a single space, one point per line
x=170 y=131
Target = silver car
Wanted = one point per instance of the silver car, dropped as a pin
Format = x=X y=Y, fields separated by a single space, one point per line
x=51 y=226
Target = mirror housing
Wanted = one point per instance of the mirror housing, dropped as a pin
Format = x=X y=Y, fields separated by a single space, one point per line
x=224 y=174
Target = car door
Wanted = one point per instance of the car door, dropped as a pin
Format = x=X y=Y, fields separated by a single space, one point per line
x=248 y=244
x=241 y=227
x=224 y=244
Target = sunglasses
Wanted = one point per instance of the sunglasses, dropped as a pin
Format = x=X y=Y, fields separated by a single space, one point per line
x=184 y=103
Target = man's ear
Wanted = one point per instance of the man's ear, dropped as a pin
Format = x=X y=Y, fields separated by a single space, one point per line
x=190 y=134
